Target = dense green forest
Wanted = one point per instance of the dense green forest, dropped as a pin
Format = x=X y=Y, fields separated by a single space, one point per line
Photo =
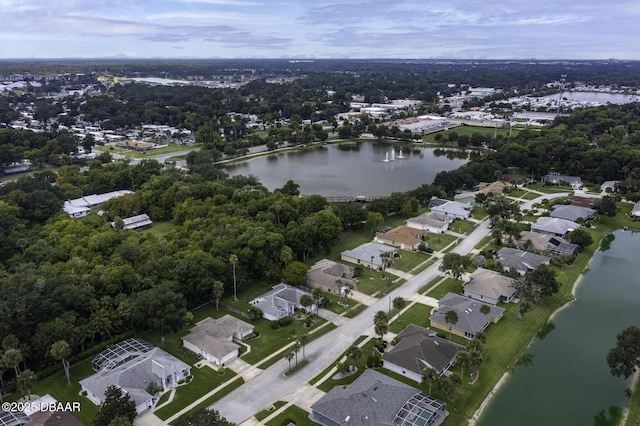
x=84 y=281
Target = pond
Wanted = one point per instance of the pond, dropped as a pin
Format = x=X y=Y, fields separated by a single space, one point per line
x=569 y=382
x=374 y=168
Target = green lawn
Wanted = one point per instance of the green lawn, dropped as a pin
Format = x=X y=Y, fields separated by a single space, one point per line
x=470 y=130
x=271 y=340
x=335 y=303
x=130 y=153
x=266 y=413
x=479 y=212
x=439 y=241
x=408 y=260
x=417 y=314
x=367 y=350
x=429 y=285
x=205 y=379
x=371 y=282
x=160 y=229
x=356 y=310
x=448 y=285
x=218 y=396
x=56 y=385
x=462 y=226
x=326 y=370
x=292 y=414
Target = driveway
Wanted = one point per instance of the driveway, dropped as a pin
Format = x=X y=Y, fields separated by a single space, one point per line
x=271 y=385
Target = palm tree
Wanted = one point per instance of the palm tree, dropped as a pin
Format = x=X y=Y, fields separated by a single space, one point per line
x=25 y=381
x=306 y=301
x=317 y=294
x=289 y=356
x=60 y=350
x=485 y=309
x=233 y=260
x=218 y=291
x=296 y=348
x=481 y=336
x=451 y=318
x=353 y=354
x=347 y=291
x=476 y=358
x=12 y=358
x=429 y=376
x=303 y=340
x=2 y=371
x=380 y=316
x=463 y=359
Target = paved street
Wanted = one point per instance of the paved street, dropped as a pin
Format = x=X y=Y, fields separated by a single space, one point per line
x=271 y=385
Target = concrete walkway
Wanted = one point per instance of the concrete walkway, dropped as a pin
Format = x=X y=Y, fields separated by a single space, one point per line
x=330 y=316
x=399 y=274
x=362 y=298
x=243 y=368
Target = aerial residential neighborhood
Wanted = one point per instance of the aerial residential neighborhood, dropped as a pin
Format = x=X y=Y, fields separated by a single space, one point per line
x=282 y=242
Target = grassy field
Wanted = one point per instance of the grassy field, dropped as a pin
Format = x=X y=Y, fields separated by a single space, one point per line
x=367 y=350
x=417 y=314
x=266 y=413
x=171 y=148
x=271 y=340
x=205 y=379
x=216 y=397
x=370 y=282
x=439 y=241
x=462 y=226
x=470 y=130
x=56 y=385
x=292 y=414
x=160 y=229
x=408 y=260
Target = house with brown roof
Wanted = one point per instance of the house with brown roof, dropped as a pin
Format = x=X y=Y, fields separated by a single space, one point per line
x=402 y=237
x=330 y=276
x=489 y=286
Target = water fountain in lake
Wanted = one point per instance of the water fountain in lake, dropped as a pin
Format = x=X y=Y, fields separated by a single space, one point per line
x=400 y=154
x=386 y=158
x=393 y=155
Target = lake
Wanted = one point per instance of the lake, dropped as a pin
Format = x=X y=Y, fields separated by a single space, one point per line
x=374 y=168
x=569 y=382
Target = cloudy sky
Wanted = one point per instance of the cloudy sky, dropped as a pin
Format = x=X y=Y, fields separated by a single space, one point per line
x=498 y=29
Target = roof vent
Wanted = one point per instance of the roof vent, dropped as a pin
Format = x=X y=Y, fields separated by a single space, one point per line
x=374 y=400
x=346 y=419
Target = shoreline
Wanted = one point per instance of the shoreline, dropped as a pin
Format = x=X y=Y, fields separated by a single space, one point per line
x=476 y=415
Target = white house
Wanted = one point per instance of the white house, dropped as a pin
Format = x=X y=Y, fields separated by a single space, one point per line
x=280 y=302
x=452 y=209
x=80 y=207
x=431 y=222
x=132 y=365
x=213 y=338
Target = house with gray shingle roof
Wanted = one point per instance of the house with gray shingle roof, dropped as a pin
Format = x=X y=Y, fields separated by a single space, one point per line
x=554 y=226
x=280 y=302
x=420 y=348
x=376 y=399
x=575 y=182
x=213 y=338
x=543 y=243
x=520 y=260
x=470 y=319
x=489 y=286
x=452 y=209
x=572 y=213
x=431 y=221
x=134 y=367
x=368 y=255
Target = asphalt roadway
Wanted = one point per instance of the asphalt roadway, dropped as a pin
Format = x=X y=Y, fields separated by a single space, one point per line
x=272 y=385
